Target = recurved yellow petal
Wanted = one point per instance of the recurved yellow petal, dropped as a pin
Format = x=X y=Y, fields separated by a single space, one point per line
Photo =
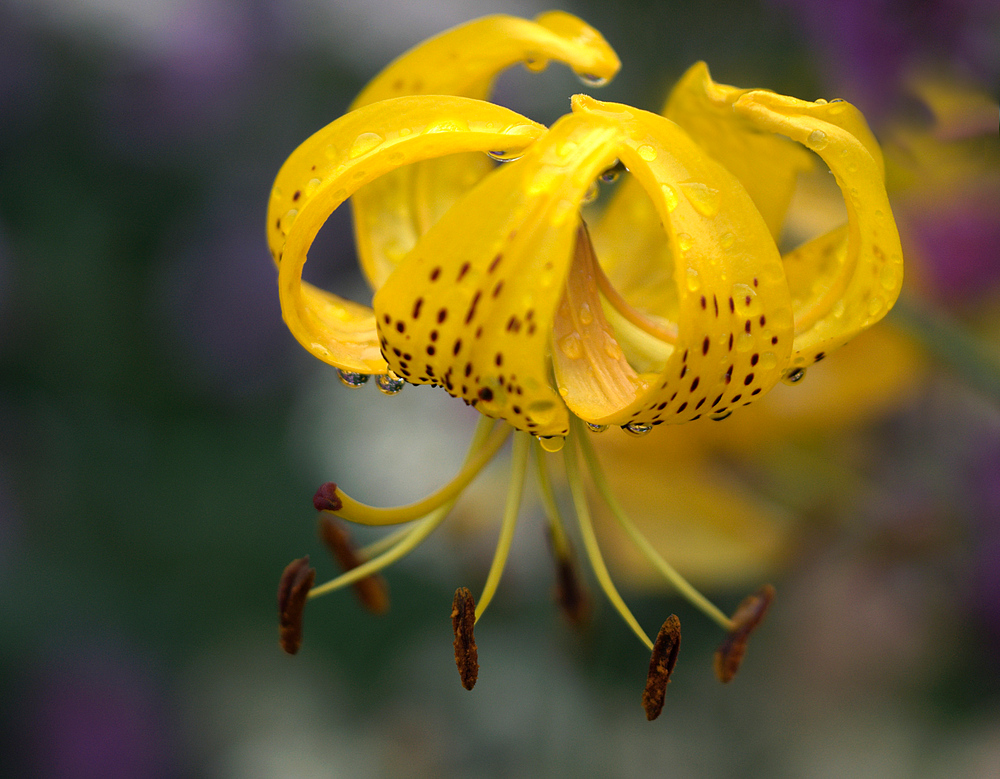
x=391 y=213
x=856 y=272
x=472 y=306
x=767 y=165
x=333 y=164
x=733 y=321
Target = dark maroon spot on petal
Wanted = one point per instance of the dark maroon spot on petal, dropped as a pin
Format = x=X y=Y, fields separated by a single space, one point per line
x=748 y=379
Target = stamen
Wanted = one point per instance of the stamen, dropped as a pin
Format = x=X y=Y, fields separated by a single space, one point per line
x=372 y=591
x=649 y=552
x=664 y=332
x=590 y=540
x=661 y=666
x=747 y=617
x=400 y=543
x=411 y=540
x=476 y=460
x=463 y=621
x=570 y=593
x=293 y=589
x=518 y=466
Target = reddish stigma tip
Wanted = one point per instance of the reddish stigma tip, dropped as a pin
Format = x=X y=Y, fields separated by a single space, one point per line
x=326 y=498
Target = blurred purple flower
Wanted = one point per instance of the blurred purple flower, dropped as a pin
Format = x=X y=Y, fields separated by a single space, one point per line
x=94 y=716
x=868 y=48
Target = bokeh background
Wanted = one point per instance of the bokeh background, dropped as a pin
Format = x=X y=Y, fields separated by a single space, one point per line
x=161 y=434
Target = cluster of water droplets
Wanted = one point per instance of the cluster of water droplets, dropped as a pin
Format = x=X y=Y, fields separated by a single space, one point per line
x=387 y=383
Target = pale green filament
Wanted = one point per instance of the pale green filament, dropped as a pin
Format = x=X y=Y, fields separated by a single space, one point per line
x=413 y=538
x=518 y=466
x=400 y=543
x=477 y=458
x=590 y=540
x=557 y=532
x=679 y=582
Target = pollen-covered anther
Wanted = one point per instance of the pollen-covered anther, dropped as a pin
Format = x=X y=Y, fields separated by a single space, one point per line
x=326 y=498
x=372 y=591
x=293 y=591
x=661 y=666
x=463 y=620
x=745 y=620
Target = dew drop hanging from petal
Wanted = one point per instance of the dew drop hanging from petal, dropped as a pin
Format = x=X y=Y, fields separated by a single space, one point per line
x=389 y=383
x=352 y=380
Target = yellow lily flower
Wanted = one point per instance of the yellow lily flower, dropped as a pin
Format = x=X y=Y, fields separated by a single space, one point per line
x=673 y=304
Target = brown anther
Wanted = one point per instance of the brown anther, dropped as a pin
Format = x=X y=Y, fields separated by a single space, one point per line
x=463 y=619
x=372 y=591
x=747 y=617
x=661 y=665
x=326 y=498
x=570 y=594
x=293 y=590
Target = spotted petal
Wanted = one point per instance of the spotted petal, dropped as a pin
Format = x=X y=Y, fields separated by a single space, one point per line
x=333 y=164
x=638 y=261
x=845 y=281
x=391 y=213
x=472 y=306
x=733 y=317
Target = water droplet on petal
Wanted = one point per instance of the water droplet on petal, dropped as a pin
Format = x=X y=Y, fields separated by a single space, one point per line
x=551 y=443
x=352 y=380
x=703 y=198
x=590 y=80
x=794 y=376
x=647 y=152
x=670 y=196
x=684 y=242
x=591 y=194
x=817 y=139
x=887 y=276
x=389 y=383
x=586 y=315
x=364 y=143
x=505 y=156
x=596 y=428
x=611 y=174
x=637 y=428
x=536 y=65
x=570 y=346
